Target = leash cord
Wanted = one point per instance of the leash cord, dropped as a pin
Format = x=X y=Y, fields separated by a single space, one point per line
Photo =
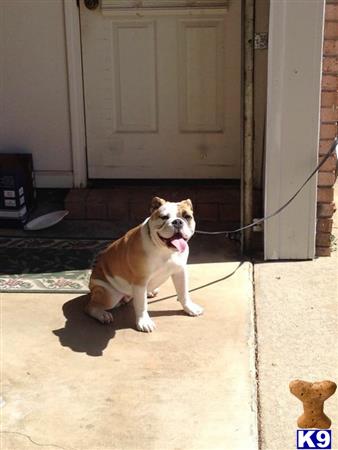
x=202 y=286
x=263 y=219
x=228 y=233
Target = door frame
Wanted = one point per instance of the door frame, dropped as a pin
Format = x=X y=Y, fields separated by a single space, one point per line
x=76 y=93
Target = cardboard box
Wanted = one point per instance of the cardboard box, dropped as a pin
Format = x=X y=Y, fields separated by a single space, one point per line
x=17 y=188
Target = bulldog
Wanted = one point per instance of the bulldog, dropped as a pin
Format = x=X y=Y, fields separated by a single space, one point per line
x=134 y=266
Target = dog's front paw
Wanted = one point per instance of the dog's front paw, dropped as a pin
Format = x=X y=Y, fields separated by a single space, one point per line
x=144 y=323
x=192 y=309
x=153 y=293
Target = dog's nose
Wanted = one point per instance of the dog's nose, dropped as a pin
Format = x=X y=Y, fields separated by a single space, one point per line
x=178 y=223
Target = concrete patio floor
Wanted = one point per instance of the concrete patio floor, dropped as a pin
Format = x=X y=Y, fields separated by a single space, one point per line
x=297 y=336
x=297 y=333
x=72 y=383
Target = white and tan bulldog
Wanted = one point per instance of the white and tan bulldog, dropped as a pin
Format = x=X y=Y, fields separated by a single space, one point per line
x=134 y=266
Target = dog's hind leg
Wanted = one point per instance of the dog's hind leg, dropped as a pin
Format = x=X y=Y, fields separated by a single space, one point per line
x=102 y=299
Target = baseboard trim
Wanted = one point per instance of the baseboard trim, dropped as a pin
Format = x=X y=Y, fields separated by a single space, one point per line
x=53 y=179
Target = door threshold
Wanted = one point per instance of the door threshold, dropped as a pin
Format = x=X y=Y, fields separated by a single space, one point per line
x=108 y=183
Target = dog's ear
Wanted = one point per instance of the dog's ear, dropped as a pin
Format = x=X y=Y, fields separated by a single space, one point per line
x=156 y=203
x=188 y=202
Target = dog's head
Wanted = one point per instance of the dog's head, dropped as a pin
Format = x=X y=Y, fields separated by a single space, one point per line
x=171 y=224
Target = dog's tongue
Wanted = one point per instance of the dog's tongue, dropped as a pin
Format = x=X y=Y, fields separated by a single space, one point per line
x=180 y=244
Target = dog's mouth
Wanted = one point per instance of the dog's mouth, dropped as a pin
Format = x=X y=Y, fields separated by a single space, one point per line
x=176 y=241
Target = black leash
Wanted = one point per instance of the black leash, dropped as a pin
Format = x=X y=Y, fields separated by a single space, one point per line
x=229 y=233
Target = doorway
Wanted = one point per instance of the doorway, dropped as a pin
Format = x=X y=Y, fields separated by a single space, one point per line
x=162 y=89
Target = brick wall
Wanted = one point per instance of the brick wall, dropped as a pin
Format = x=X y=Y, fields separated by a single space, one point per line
x=328 y=129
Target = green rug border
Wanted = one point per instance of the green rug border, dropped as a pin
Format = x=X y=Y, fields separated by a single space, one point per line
x=80 y=276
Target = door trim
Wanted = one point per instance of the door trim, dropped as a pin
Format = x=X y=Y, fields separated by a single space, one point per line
x=75 y=93
x=292 y=135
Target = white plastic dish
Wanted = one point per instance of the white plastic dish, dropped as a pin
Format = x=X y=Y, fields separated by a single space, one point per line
x=46 y=221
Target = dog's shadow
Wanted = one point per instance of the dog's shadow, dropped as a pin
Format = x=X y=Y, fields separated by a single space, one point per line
x=84 y=334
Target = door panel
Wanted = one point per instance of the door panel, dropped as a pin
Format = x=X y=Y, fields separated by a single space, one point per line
x=134 y=72
x=162 y=93
x=201 y=100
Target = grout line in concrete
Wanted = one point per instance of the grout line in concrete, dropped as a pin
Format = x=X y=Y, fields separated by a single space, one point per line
x=256 y=360
x=251 y=342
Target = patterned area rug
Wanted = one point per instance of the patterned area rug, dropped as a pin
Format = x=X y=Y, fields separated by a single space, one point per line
x=47 y=265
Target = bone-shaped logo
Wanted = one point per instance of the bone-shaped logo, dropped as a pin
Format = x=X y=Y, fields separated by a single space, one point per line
x=313 y=396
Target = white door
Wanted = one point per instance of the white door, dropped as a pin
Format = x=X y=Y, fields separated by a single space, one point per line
x=162 y=88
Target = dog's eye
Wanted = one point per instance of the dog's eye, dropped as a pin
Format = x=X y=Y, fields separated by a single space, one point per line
x=164 y=217
x=187 y=217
